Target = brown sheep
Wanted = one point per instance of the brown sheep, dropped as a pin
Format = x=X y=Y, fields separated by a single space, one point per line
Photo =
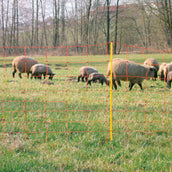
x=23 y=64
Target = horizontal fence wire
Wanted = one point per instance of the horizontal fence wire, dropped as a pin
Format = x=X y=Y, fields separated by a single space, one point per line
x=65 y=106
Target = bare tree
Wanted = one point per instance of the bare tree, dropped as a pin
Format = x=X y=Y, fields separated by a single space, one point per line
x=163 y=10
x=36 y=24
x=116 y=27
x=87 y=21
x=44 y=33
x=56 y=22
x=63 y=3
x=108 y=24
x=33 y=18
x=2 y=18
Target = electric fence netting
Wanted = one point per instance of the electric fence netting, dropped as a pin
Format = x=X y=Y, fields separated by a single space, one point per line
x=63 y=107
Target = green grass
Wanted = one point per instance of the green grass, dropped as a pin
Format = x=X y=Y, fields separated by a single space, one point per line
x=65 y=126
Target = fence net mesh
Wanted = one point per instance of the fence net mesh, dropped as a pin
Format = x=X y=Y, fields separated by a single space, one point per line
x=42 y=109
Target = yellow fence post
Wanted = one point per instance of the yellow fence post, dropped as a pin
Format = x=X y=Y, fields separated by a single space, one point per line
x=111 y=93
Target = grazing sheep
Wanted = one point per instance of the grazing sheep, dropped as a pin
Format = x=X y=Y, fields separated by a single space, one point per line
x=169 y=79
x=97 y=76
x=161 y=71
x=23 y=64
x=85 y=71
x=41 y=69
x=167 y=69
x=152 y=62
x=130 y=71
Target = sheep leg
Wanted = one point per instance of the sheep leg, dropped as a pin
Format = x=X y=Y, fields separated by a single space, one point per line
x=28 y=75
x=169 y=84
x=118 y=82
x=83 y=79
x=140 y=85
x=79 y=77
x=51 y=77
x=44 y=75
x=14 y=72
x=131 y=86
x=114 y=84
x=101 y=81
x=20 y=75
x=89 y=82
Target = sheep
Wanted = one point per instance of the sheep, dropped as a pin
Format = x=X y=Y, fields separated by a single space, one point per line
x=97 y=76
x=23 y=64
x=85 y=71
x=41 y=69
x=161 y=71
x=169 y=79
x=130 y=71
x=152 y=62
x=167 y=69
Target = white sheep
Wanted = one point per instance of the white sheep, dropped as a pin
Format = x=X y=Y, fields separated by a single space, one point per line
x=126 y=70
x=152 y=62
x=169 y=79
x=41 y=69
x=23 y=64
x=161 y=71
x=167 y=69
x=85 y=71
x=93 y=77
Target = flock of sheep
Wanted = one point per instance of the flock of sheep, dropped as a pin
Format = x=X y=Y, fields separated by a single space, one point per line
x=28 y=65
x=122 y=70
x=125 y=70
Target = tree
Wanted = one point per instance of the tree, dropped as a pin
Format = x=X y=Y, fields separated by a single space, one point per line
x=56 y=23
x=116 y=27
x=87 y=21
x=44 y=26
x=32 y=39
x=163 y=10
x=108 y=25
x=63 y=21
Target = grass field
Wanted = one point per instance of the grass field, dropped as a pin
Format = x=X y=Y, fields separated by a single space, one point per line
x=65 y=126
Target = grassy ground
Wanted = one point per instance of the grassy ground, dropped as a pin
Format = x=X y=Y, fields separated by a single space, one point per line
x=65 y=126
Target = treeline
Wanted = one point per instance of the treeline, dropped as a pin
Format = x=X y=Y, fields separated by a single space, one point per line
x=63 y=22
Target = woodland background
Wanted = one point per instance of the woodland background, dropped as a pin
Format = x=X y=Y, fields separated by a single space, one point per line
x=53 y=23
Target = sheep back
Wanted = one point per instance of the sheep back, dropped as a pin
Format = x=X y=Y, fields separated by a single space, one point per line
x=127 y=70
x=39 y=69
x=86 y=70
x=23 y=64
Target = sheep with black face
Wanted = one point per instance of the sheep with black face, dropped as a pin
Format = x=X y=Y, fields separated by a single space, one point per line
x=85 y=71
x=41 y=69
x=126 y=70
x=93 y=77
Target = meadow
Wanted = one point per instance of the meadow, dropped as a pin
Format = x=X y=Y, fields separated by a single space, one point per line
x=65 y=126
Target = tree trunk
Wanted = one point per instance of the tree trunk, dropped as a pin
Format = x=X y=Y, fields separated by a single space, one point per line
x=76 y=25
x=108 y=26
x=3 y=31
x=36 y=29
x=87 y=22
x=56 y=23
x=33 y=18
x=63 y=21
x=44 y=27
x=116 y=28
